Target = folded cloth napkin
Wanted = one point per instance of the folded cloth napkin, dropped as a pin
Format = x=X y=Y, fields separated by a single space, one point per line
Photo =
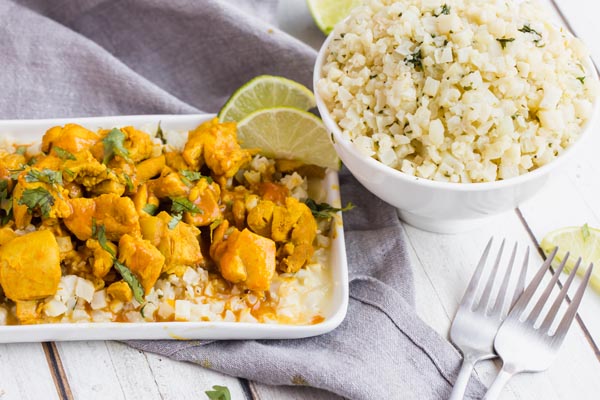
x=105 y=57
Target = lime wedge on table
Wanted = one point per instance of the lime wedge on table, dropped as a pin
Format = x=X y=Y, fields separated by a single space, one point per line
x=579 y=241
x=263 y=92
x=327 y=13
x=288 y=133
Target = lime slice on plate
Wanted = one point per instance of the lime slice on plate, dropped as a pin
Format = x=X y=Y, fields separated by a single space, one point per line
x=263 y=92
x=288 y=133
x=579 y=241
x=327 y=13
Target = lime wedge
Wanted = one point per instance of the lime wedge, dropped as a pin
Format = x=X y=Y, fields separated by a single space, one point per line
x=263 y=92
x=579 y=241
x=288 y=133
x=327 y=13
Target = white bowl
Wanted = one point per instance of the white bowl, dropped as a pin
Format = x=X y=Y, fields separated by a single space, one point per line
x=442 y=207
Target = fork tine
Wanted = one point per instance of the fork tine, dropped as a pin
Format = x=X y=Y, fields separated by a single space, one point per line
x=469 y=296
x=487 y=292
x=499 y=304
x=521 y=282
x=563 y=327
x=531 y=288
x=557 y=302
x=535 y=313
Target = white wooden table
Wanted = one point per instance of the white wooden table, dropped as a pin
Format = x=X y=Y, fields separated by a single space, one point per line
x=442 y=266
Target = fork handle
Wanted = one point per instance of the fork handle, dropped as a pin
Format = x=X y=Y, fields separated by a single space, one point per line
x=494 y=391
x=460 y=386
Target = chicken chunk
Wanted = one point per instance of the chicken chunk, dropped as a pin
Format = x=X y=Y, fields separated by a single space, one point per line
x=120 y=291
x=41 y=198
x=85 y=170
x=215 y=144
x=142 y=258
x=179 y=245
x=244 y=257
x=149 y=168
x=116 y=214
x=169 y=184
x=206 y=196
x=102 y=259
x=30 y=266
x=292 y=226
x=9 y=163
x=138 y=144
x=71 y=137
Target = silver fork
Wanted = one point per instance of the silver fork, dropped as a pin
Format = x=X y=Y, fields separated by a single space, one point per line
x=522 y=342
x=477 y=321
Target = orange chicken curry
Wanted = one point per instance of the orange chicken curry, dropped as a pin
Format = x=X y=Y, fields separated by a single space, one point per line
x=116 y=226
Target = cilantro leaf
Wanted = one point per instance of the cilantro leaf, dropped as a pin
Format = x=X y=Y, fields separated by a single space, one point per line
x=414 y=59
x=214 y=225
x=63 y=154
x=46 y=175
x=181 y=204
x=324 y=210
x=21 y=150
x=114 y=145
x=160 y=134
x=127 y=275
x=132 y=280
x=5 y=202
x=128 y=182
x=192 y=176
x=150 y=208
x=37 y=198
x=218 y=393
x=581 y=79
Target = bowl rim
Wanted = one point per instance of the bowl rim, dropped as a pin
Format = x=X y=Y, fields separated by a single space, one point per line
x=339 y=140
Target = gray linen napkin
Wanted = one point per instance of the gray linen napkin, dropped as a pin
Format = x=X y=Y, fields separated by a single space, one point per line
x=105 y=57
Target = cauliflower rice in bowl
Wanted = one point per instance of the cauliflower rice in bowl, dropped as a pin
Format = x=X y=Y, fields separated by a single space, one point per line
x=457 y=91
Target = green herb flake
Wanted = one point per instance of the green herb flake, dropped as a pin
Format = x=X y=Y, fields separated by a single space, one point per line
x=114 y=145
x=160 y=134
x=324 y=210
x=21 y=150
x=181 y=204
x=37 y=198
x=174 y=221
x=218 y=393
x=100 y=233
x=192 y=176
x=63 y=154
x=581 y=79
x=504 y=41
x=128 y=182
x=467 y=88
x=6 y=202
x=130 y=278
x=585 y=232
x=214 y=225
x=46 y=175
x=414 y=59
x=14 y=173
x=445 y=10
x=150 y=209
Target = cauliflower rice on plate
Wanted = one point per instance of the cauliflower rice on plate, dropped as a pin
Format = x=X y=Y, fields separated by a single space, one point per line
x=457 y=90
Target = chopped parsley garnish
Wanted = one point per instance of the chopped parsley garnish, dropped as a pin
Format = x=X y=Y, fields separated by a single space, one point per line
x=192 y=176
x=21 y=150
x=150 y=209
x=581 y=79
x=218 y=393
x=114 y=145
x=414 y=59
x=37 y=198
x=504 y=41
x=160 y=134
x=324 y=210
x=127 y=275
x=63 y=154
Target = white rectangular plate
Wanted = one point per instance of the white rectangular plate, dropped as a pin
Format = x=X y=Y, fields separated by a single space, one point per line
x=28 y=131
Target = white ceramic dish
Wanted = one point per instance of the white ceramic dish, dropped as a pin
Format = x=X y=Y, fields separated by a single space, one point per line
x=32 y=130
x=434 y=206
